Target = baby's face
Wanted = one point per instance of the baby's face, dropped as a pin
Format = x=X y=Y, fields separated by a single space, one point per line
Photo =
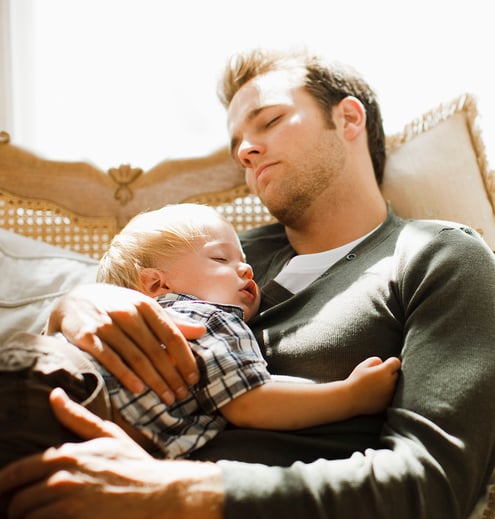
x=215 y=270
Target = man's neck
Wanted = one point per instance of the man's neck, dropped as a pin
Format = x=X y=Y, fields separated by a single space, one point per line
x=326 y=230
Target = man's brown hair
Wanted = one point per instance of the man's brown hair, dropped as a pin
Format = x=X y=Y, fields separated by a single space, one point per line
x=327 y=83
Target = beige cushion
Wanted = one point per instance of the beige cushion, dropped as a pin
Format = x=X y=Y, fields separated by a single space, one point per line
x=34 y=275
x=437 y=168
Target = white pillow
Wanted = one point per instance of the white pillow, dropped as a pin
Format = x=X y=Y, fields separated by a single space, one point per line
x=34 y=275
x=437 y=169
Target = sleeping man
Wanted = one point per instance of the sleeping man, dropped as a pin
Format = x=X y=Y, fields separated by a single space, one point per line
x=362 y=282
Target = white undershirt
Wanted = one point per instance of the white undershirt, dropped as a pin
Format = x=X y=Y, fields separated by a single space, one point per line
x=302 y=270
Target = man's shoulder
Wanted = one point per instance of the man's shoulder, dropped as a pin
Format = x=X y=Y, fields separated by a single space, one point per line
x=442 y=241
x=424 y=230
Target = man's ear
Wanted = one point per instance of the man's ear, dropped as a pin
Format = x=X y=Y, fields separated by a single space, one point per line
x=354 y=116
x=154 y=282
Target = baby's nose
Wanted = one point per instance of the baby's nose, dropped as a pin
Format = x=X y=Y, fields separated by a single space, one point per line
x=246 y=270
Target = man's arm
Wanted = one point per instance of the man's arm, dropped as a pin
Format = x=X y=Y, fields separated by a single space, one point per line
x=125 y=331
x=439 y=436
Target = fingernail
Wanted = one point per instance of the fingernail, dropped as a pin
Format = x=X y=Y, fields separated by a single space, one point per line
x=168 y=397
x=137 y=387
x=192 y=378
x=181 y=392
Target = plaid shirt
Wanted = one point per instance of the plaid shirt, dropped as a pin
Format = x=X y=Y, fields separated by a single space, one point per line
x=230 y=364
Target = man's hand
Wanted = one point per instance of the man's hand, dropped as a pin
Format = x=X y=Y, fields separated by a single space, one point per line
x=131 y=335
x=107 y=476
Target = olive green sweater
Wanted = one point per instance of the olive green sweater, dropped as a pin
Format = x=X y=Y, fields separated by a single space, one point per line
x=421 y=290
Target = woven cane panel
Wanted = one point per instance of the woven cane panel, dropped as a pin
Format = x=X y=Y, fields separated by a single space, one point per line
x=238 y=206
x=45 y=221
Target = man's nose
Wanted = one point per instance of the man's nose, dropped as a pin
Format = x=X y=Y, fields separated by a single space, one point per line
x=246 y=151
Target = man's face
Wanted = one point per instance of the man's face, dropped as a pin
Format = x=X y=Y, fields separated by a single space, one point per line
x=280 y=136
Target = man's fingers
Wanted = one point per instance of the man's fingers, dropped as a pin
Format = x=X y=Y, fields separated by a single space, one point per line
x=191 y=330
x=184 y=358
x=132 y=336
x=80 y=420
x=133 y=353
x=172 y=331
x=116 y=365
x=138 y=366
x=20 y=472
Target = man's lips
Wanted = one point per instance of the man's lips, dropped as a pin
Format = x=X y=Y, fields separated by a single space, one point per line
x=260 y=169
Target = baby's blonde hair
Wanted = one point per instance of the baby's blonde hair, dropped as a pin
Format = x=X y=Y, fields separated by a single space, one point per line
x=163 y=233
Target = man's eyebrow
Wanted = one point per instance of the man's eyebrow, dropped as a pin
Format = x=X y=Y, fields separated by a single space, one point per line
x=250 y=116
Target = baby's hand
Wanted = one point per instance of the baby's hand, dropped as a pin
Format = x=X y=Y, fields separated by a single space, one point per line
x=373 y=383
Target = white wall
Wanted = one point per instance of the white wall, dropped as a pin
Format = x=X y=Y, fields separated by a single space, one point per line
x=134 y=81
x=6 y=112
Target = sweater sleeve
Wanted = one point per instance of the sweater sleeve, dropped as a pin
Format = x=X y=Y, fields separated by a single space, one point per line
x=439 y=434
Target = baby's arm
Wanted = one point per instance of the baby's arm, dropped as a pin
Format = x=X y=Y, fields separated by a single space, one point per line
x=285 y=405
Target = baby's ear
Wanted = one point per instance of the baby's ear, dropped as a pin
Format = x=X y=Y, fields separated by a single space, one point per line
x=154 y=282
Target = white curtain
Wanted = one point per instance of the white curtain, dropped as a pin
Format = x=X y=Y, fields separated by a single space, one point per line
x=5 y=69
x=134 y=81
